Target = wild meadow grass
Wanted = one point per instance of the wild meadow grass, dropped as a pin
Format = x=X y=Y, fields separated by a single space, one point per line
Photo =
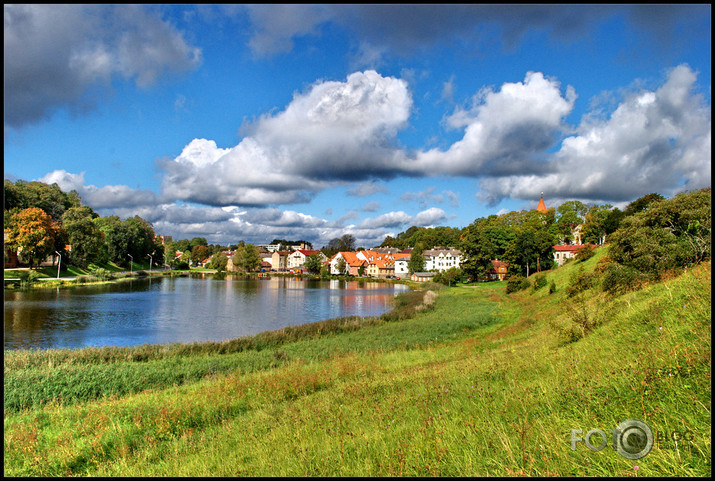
x=479 y=383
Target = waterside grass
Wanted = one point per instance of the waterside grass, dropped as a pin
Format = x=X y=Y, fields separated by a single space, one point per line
x=479 y=383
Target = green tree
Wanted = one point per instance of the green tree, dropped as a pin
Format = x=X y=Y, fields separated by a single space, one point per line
x=313 y=263
x=643 y=203
x=33 y=233
x=417 y=259
x=199 y=253
x=595 y=225
x=49 y=198
x=83 y=235
x=247 y=257
x=198 y=241
x=668 y=235
x=116 y=240
x=449 y=277
x=219 y=262
x=569 y=215
x=141 y=240
x=341 y=265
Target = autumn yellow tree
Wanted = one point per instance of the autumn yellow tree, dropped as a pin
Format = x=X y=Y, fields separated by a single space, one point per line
x=32 y=232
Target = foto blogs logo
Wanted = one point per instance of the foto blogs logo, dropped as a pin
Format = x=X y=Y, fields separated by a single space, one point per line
x=632 y=439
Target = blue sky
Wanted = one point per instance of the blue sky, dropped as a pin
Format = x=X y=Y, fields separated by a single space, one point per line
x=314 y=121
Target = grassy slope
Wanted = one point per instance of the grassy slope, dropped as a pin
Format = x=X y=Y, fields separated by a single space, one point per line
x=480 y=385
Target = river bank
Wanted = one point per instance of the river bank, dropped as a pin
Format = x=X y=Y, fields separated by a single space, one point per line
x=476 y=382
x=14 y=279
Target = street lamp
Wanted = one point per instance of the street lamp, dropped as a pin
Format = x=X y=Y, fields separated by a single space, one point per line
x=130 y=263
x=58 y=264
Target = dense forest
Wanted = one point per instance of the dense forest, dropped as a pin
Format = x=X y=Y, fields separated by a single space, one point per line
x=651 y=236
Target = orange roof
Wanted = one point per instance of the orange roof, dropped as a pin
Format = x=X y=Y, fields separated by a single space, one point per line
x=352 y=259
x=541 y=207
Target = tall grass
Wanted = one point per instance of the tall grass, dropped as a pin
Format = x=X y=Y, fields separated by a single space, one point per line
x=479 y=384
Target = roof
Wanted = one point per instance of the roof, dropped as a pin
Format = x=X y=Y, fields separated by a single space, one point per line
x=500 y=264
x=306 y=252
x=443 y=252
x=541 y=207
x=352 y=259
x=572 y=247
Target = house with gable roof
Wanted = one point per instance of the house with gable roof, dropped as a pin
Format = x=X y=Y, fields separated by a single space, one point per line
x=352 y=261
x=442 y=259
x=296 y=259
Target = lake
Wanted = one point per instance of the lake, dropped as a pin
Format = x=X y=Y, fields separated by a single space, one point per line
x=181 y=309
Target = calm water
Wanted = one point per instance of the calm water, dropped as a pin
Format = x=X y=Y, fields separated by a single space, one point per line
x=165 y=310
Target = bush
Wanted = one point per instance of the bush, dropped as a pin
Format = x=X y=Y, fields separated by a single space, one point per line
x=585 y=253
x=517 y=283
x=539 y=282
x=618 y=279
x=27 y=278
x=581 y=282
x=103 y=274
x=552 y=287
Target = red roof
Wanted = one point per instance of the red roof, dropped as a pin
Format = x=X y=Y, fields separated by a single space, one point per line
x=572 y=247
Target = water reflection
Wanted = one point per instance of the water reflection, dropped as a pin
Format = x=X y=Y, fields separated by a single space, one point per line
x=181 y=309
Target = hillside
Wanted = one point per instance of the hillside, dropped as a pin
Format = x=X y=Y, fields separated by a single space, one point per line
x=481 y=383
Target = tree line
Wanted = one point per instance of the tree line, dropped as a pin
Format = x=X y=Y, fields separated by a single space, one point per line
x=41 y=220
x=651 y=235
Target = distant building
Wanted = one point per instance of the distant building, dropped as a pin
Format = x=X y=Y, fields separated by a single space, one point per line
x=353 y=263
x=441 y=259
x=542 y=206
x=297 y=258
x=562 y=253
x=422 y=276
x=401 y=268
x=498 y=270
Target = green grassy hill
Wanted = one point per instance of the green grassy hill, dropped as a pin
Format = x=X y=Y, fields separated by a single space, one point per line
x=470 y=382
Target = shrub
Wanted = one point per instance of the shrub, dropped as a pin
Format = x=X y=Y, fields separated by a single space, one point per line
x=27 y=278
x=103 y=274
x=618 y=279
x=578 y=320
x=517 y=283
x=552 y=287
x=582 y=282
x=585 y=253
x=539 y=282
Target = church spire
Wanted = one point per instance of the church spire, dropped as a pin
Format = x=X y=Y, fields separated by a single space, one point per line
x=541 y=207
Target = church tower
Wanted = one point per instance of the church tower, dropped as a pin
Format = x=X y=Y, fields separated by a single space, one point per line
x=541 y=207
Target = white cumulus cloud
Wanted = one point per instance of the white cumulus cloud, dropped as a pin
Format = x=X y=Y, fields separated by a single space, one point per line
x=654 y=141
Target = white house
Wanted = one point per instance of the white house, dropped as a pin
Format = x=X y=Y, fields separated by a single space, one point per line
x=562 y=253
x=297 y=258
x=442 y=259
x=401 y=269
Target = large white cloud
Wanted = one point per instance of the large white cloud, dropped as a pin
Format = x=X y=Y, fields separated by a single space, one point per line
x=506 y=131
x=654 y=141
x=335 y=131
x=54 y=54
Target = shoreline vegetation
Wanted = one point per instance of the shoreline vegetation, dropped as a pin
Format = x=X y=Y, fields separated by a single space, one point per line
x=468 y=380
x=15 y=279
